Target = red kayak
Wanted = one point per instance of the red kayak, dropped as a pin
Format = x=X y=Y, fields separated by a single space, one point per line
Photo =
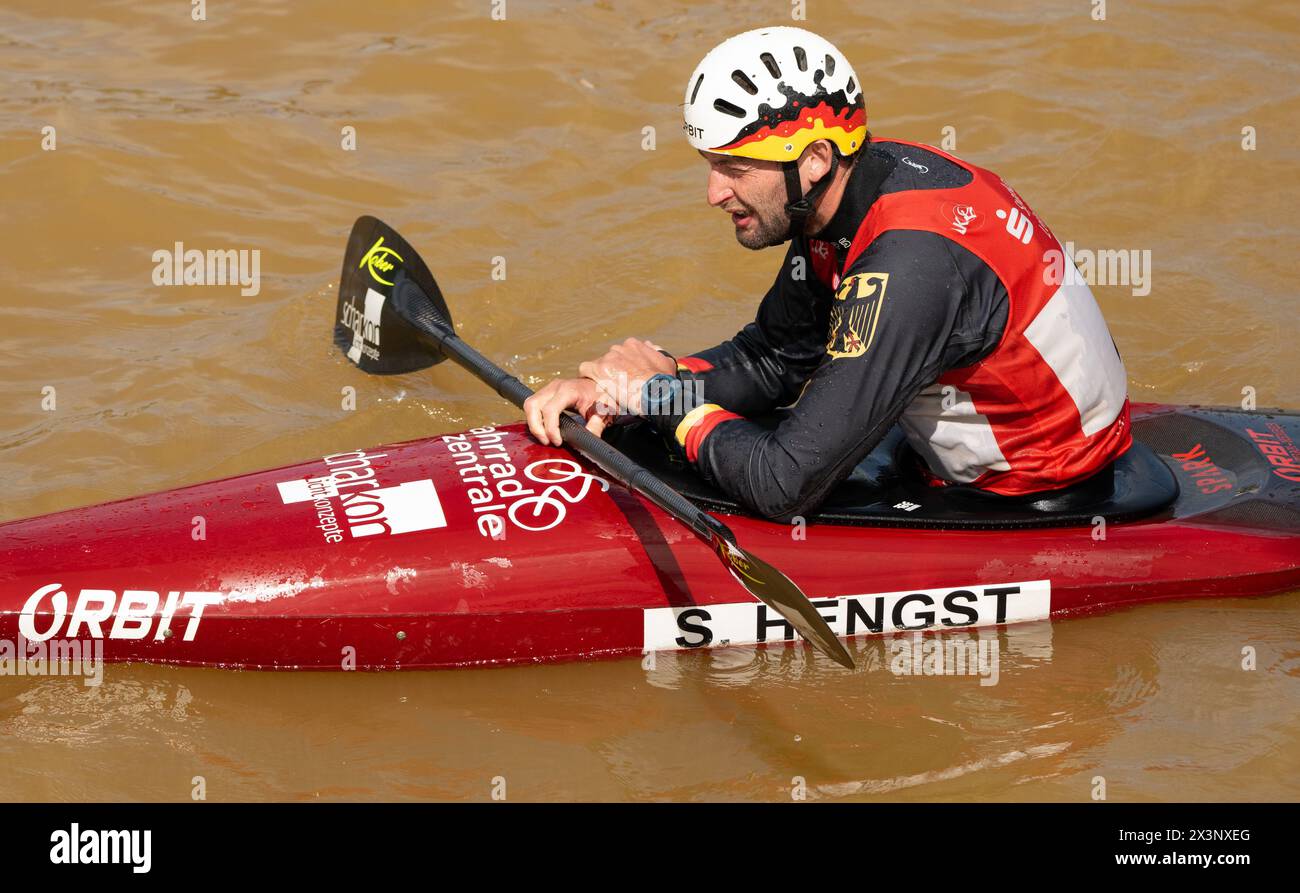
x=488 y=548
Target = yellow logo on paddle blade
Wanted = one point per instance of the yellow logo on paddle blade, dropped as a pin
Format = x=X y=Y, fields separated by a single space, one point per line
x=377 y=260
x=855 y=314
x=737 y=561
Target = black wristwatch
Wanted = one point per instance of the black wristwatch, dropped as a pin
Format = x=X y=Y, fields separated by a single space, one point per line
x=660 y=394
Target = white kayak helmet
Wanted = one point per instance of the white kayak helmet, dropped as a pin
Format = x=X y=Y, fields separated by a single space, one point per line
x=769 y=93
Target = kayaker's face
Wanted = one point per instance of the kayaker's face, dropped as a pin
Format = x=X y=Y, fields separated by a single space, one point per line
x=753 y=193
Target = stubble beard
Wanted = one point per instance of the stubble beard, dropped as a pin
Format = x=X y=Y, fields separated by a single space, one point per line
x=771 y=226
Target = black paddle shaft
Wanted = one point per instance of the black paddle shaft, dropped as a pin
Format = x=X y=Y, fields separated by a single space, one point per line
x=409 y=310
x=575 y=433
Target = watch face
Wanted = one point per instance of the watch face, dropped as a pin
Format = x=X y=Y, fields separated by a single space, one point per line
x=658 y=391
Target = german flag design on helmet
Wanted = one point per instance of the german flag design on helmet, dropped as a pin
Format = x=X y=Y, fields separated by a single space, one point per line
x=768 y=93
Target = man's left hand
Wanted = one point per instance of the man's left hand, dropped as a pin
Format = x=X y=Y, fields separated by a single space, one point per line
x=625 y=368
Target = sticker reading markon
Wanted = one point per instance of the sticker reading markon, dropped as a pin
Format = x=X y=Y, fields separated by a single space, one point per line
x=749 y=623
x=367 y=508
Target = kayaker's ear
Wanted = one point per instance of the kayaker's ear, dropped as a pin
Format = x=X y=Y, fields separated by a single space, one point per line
x=383 y=286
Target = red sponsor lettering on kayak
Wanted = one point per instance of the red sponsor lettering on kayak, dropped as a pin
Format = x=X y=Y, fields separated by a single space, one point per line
x=497 y=493
x=1280 y=451
x=135 y=614
x=1201 y=468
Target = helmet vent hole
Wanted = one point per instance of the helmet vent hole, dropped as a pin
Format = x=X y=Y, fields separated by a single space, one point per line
x=801 y=58
x=696 y=91
x=745 y=83
x=850 y=87
x=770 y=61
x=728 y=109
x=830 y=65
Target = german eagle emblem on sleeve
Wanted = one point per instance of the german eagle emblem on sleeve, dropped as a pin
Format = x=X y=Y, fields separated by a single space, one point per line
x=855 y=313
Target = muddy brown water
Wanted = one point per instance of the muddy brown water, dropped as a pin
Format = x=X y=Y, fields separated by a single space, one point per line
x=524 y=139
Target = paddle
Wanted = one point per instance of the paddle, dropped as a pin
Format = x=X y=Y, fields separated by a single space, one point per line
x=388 y=297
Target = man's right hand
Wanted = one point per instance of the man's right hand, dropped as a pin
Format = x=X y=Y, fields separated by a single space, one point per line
x=542 y=410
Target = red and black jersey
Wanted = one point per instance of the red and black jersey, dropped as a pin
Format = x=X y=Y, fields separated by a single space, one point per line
x=928 y=300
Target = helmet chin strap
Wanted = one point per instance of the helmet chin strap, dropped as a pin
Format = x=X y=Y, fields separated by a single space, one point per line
x=800 y=205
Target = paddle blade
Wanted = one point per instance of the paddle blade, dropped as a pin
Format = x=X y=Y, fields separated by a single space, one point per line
x=367 y=325
x=779 y=593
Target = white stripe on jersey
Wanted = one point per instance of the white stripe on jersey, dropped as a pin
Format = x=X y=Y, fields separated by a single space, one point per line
x=957 y=443
x=1070 y=335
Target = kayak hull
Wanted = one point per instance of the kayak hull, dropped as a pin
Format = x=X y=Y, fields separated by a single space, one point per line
x=488 y=548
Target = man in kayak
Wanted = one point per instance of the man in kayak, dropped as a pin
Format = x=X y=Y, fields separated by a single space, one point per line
x=917 y=289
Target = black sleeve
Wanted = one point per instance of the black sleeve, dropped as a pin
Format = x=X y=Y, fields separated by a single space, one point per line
x=913 y=306
x=767 y=362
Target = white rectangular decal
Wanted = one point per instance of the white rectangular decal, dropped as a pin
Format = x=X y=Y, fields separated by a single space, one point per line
x=402 y=509
x=307 y=490
x=745 y=623
x=367 y=327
